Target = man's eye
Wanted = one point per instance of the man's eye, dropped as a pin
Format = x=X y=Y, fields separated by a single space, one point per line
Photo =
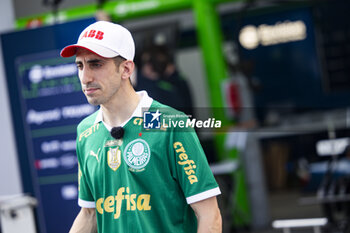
x=96 y=65
x=79 y=66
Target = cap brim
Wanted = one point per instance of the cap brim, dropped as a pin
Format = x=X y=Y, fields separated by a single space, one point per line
x=71 y=50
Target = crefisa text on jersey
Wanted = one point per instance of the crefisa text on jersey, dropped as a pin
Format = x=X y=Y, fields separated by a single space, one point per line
x=210 y=123
x=113 y=204
x=189 y=165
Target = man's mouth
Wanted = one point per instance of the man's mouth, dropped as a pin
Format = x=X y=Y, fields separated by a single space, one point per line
x=90 y=91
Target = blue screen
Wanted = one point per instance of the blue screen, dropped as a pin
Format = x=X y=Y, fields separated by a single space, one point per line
x=47 y=104
x=289 y=74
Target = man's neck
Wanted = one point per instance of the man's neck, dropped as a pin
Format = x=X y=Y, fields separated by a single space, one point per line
x=121 y=109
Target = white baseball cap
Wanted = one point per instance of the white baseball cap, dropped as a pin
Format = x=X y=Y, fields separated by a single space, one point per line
x=106 y=39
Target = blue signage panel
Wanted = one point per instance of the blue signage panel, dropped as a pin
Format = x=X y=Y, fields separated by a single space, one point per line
x=283 y=49
x=47 y=104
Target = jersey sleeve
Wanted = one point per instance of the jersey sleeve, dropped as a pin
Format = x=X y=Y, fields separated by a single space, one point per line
x=86 y=199
x=192 y=169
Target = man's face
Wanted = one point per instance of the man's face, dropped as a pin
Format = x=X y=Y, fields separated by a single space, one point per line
x=99 y=77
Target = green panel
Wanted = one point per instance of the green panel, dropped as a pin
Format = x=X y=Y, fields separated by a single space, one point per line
x=58 y=179
x=241 y=209
x=211 y=42
x=54 y=131
x=62 y=16
x=127 y=9
x=118 y=9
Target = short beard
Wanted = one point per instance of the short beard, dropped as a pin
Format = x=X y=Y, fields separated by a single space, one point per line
x=93 y=102
x=102 y=99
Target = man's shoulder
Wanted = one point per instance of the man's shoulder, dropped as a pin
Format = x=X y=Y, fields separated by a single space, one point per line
x=87 y=122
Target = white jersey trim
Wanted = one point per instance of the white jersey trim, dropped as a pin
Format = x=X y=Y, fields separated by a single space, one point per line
x=204 y=195
x=86 y=204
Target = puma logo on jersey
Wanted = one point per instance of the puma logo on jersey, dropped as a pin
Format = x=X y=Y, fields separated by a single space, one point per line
x=95 y=155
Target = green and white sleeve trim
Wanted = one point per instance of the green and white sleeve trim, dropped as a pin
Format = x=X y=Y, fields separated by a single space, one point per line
x=86 y=204
x=204 y=195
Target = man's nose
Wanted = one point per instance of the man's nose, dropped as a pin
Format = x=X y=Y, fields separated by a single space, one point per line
x=85 y=76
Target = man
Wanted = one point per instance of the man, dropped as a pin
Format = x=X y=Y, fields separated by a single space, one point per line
x=136 y=180
x=159 y=76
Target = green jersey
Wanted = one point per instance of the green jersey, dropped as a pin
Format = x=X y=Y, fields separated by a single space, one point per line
x=145 y=181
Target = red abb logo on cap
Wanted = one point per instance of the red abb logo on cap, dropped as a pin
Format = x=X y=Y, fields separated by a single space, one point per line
x=93 y=34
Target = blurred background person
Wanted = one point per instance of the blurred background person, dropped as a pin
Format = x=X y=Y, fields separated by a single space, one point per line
x=158 y=75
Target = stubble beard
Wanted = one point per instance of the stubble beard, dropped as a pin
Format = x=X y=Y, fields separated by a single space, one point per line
x=101 y=100
x=93 y=101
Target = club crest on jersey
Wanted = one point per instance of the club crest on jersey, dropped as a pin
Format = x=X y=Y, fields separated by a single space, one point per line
x=137 y=154
x=114 y=158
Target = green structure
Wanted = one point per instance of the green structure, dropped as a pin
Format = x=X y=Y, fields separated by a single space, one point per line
x=210 y=41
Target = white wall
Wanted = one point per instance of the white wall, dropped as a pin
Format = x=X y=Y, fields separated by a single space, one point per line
x=9 y=170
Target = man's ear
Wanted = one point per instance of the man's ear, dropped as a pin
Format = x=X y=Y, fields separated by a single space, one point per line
x=127 y=68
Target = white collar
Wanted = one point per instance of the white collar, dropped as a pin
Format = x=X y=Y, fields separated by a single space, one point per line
x=145 y=103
